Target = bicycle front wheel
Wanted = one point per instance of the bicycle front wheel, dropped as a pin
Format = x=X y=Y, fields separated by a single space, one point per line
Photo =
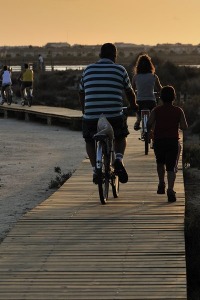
x=102 y=169
x=103 y=182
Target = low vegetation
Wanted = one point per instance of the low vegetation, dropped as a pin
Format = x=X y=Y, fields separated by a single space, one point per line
x=191 y=171
x=60 y=178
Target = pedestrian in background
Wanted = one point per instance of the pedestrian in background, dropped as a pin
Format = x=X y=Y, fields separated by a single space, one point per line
x=40 y=62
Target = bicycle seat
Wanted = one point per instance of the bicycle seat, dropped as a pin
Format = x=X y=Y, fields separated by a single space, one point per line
x=104 y=127
x=145 y=112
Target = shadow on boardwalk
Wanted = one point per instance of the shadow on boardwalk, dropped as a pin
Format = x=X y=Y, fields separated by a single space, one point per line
x=72 y=247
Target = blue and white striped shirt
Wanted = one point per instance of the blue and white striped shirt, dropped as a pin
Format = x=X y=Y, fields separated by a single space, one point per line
x=103 y=84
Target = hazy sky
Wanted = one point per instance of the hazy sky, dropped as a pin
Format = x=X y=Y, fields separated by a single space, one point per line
x=37 y=22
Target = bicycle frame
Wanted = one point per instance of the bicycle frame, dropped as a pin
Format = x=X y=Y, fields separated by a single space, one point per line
x=28 y=96
x=104 y=167
x=28 y=92
x=145 y=113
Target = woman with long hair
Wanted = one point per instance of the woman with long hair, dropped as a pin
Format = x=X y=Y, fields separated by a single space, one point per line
x=144 y=83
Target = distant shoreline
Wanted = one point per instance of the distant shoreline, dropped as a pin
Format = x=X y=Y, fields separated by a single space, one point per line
x=61 y=54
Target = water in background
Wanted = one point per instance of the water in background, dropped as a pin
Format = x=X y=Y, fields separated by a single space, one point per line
x=54 y=68
x=74 y=67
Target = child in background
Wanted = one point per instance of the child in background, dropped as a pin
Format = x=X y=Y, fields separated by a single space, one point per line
x=166 y=120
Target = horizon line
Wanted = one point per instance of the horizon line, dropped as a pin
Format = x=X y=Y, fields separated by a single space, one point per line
x=77 y=44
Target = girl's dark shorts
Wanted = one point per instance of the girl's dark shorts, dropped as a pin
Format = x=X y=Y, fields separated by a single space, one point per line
x=167 y=152
x=119 y=124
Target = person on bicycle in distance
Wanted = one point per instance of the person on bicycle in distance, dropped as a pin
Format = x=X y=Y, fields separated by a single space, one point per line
x=26 y=77
x=144 y=82
x=6 y=81
x=101 y=88
x=167 y=119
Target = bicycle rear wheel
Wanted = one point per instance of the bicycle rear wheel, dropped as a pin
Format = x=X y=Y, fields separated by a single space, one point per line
x=29 y=101
x=103 y=179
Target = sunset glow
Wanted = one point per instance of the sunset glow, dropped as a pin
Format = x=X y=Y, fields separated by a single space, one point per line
x=95 y=22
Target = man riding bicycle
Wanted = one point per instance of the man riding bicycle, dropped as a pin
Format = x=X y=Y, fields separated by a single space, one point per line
x=101 y=88
x=26 y=77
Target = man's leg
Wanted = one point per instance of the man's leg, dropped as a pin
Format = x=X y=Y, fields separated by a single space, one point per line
x=90 y=149
x=120 y=146
x=89 y=128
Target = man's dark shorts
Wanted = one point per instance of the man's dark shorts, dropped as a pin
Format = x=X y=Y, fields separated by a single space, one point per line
x=167 y=152
x=26 y=84
x=119 y=124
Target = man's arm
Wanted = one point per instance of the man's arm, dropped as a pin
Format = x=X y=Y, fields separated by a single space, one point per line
x=183 y=122
x=130 y=95
x=82 y=100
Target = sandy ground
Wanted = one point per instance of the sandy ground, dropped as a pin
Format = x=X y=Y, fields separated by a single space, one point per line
x=29 y=152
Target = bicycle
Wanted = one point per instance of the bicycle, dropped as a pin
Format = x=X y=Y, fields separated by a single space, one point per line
x=8 y=94
x=146 y=136
x=28 y=96
x=105 y=156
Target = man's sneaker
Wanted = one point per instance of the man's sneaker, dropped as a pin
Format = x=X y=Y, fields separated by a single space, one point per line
x=120 y=171
x=95 y=178
x=171 y=196
x=161 y=188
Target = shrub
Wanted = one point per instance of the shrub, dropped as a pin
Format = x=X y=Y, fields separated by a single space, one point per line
x=191 y=109
x=60 y=178
x=59 y=88
x=196 y=127
x=191 y=156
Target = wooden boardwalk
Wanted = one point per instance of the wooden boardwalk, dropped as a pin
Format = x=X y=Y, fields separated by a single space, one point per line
x=72 y=247
x=51 y=114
